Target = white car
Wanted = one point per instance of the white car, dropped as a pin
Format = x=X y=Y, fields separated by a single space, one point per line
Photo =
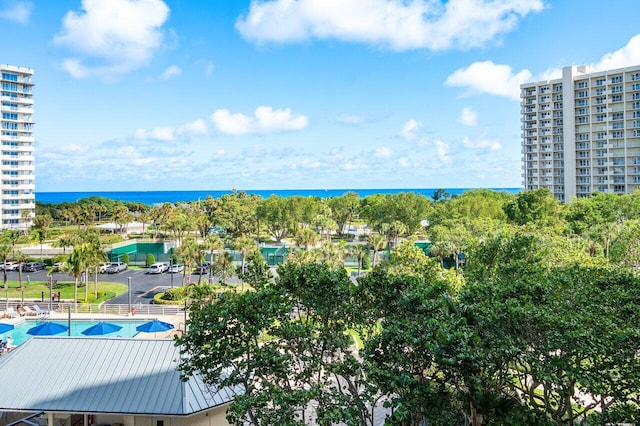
x=9 y=266
x=103 y=267
x=177 y=268
x=116 y=267
x=158 y=268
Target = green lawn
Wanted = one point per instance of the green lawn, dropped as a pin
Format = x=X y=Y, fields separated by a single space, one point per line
x=34 y=289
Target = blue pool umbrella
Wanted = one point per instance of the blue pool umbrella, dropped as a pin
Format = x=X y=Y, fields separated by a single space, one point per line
x=5 y=327
x=154 y=326
x=101 y=328
x=47 y=329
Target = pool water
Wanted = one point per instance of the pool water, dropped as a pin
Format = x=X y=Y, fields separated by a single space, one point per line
x=19 y=333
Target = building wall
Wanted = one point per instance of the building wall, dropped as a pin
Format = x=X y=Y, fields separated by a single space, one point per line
x=17 y=186
x=581 y=132
x=213 y=417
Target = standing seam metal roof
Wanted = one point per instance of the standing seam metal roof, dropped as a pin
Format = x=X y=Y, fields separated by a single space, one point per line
x=102 y=375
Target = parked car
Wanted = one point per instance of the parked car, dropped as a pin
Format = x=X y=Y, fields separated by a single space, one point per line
x=203 y=269
x=116 y=267
x=33 y=266
x=9 y=266
x=158 y=268
x=103 y=267
x=177 y=268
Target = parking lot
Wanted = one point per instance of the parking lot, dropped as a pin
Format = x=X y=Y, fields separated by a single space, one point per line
x=143 y=285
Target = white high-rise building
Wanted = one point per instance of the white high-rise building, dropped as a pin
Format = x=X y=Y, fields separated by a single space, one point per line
x=17 y=198
x=581 y=132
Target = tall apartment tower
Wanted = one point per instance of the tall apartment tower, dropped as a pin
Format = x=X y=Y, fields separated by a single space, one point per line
x=581 y=133
x=17 y=196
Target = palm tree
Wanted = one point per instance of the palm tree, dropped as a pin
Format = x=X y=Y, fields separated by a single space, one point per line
x=443 y=249
x=224 y=266
x=190 y=253
x=378 y=242
x=332 y=254
x=359 y=251
x=307 y=238
x=20 y=257
x=63 y=242
x=212 y=243
x=243 y=245
x=5 y=253
x=78 y=262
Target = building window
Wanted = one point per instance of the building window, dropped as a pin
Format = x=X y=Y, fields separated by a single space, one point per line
x=11 y=87
x=616 y=98
x=616 y=89
x=616 y=79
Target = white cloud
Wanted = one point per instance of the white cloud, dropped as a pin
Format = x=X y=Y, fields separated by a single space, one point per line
x=496 y=79
x=468 y=117
x=72 y=149
x=628 y=55
x=404 y=162
x=265 y=120
x=172 y=71
x=169 y=133
x=482 y=144
x=310 y=164
x=351 y=119
x=410 y=129
x=356 y=164
x=443 y=151
x=399 y=25
x=383 y=152
x=16 y=10
x=196 y=127
x=112 y=37
x=490 y=78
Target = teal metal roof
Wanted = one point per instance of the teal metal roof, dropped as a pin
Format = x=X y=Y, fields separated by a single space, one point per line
x=102 y=375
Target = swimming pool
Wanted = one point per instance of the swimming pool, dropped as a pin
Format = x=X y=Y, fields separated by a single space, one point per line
x=19 y=334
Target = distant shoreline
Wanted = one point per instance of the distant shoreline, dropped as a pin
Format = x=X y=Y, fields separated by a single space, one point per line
x=158 y=197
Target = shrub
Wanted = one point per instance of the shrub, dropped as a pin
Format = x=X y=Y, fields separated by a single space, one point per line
x=125 y=258
x=176 y=293
x=150 y=259
x=366 y=262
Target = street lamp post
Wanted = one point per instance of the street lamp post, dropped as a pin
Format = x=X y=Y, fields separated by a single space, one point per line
x=129 y=291
x=50 y=292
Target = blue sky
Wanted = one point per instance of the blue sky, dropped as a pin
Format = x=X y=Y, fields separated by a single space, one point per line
x=295 y=94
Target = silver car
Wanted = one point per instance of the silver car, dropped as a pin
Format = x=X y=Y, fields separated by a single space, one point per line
x=116 y=267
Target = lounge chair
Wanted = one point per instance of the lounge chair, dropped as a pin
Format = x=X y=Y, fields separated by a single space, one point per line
x=39 y=311
x=28 y=311
x=11 y=313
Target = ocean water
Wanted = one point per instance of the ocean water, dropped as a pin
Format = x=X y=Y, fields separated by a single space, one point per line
x=158 y=197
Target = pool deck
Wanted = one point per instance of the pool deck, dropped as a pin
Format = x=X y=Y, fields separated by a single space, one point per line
x=176 y=320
